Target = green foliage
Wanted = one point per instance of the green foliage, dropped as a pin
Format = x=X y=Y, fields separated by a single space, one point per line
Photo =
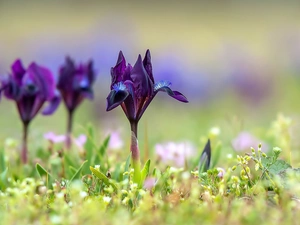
x=77 y=173
x=44 y=174
x=248 y=190
x=103 y=178
x=2 y=161
x=3 y=179
x=126 y=170
x=144 y=172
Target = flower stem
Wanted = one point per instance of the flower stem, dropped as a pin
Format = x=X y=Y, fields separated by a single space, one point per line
x=24 y=151
x=69 y=129
x=135 y=153
x=134 y=127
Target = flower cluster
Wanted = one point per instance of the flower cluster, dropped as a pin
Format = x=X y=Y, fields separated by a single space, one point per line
x=132 y=87
x=32 y=87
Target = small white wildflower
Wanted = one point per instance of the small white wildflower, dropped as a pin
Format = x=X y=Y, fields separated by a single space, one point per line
x=134 y=186
x=142 y=192
x=214 y=131
x=125 y=201
x=107 y=199
x=97 y=167
x=55 y=219
x=10 y=143
x=176 y=170
x=60 y=195
x=229 y=156
x=185 y=175
x=42 y=189
x=83 y=194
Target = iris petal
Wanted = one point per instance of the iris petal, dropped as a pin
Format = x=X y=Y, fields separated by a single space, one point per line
x=43 y=79
x=91 y=74
x=143 y=85
x=11 y=89
x=18 y=71
x=66 y=74
x=165 y=87
x=118 y=71
x=52 y=105
x=115 y=98
x=148 y=65
x=88 y=93
x=180 y=97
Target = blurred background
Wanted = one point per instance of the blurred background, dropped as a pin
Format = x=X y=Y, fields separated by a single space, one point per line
x=238 y=63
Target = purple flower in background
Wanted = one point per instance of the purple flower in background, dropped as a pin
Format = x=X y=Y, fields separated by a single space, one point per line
x=221 y=173
x=30 y=88
x=175 y=154
x=75 y=84
x=115 y=141
x=150 y=183
x=80 y=140
x=134 y=88
x=54 y=138
x=244 y=141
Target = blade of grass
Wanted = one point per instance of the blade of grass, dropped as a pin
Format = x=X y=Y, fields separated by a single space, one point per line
x=145 y=172
x=127 y=164
x=44 y=173
x=76 y=175
x=102 y=177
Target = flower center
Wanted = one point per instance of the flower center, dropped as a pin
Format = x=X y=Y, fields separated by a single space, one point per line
x=161 y=84
x=119 y=87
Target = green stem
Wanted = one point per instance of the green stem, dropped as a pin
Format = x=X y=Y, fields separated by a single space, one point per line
x=24 y=150
x=135 y=153
x=69 y=129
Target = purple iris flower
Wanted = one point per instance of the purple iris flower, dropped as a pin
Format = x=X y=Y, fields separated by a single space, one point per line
x=134 y=88
x=30 y=88
x=75 y=84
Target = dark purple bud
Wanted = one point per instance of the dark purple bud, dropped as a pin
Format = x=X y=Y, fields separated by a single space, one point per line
x=75 y=82
x=52 y=105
